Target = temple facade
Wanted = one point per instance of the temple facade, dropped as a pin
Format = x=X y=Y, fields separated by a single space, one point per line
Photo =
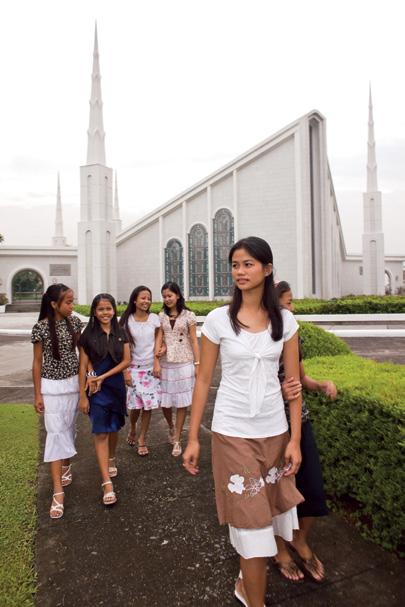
x=281 y=190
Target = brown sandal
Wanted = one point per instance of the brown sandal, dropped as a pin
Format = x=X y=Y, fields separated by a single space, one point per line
x=287 y=569
x=313 y=566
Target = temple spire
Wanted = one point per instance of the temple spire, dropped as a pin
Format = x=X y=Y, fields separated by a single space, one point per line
x=95 y=133
x=116 y=214
x=371 y=159
x=58 y=239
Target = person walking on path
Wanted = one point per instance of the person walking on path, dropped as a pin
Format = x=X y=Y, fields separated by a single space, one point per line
x=104 y=348
x=309 y=478
x=178 y=368
x=254 y=458
x=55 y=371
x=144 y=392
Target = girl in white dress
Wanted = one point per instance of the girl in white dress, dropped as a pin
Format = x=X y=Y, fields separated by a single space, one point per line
x=144 y=393
x=254 y=458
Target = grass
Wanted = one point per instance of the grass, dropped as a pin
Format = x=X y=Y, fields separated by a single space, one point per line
x=18 y=516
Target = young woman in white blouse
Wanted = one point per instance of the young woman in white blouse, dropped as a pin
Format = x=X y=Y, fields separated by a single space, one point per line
x=254 y=458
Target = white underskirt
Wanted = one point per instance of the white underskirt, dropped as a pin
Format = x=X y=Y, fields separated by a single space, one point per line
x=61 y=401
x=255 y=543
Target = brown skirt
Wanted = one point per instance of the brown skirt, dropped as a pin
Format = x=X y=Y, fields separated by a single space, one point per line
x=249 y=486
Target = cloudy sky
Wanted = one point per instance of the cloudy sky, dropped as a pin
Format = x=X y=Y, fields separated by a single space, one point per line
x=187 y=86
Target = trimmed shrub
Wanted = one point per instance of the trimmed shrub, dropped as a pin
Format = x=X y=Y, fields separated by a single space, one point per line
x=318 y=342
x=361 y=438
x=387 y=304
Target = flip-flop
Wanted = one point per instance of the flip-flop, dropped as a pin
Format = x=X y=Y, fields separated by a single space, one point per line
x=131 y=441
x=311 y=566
x=142 y=450
x=290 y=567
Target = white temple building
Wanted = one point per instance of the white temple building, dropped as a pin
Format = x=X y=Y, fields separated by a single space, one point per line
x=280 y=190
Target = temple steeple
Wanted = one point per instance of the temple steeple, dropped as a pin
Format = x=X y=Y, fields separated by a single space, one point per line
x=371 y=159
x=373 y=237
x=116 y=212
x=58 y=240
x=95 y=133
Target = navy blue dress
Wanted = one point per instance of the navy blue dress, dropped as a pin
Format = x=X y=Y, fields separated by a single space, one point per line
x=108 y=406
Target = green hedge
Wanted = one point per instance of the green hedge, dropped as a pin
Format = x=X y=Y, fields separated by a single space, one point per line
x=347 y=305
x=318 y=342
x=387 y=304
x=361 y=438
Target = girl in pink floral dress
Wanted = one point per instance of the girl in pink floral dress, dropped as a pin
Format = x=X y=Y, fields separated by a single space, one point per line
x=144 y=393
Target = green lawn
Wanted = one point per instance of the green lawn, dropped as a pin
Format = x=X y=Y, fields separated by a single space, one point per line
x=18 y=516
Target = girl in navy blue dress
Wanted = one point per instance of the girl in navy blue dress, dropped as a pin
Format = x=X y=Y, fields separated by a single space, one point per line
x=104 y=348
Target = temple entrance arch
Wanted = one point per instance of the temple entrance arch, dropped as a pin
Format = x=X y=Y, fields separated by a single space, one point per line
x=27 y=286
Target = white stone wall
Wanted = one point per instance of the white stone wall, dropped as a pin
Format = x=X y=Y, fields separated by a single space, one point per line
x=138 y=262
x=267 y=206
x=14 y=259
x=196 y=210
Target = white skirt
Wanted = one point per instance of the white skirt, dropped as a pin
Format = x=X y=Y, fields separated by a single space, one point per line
x=255 y=543
x=177 y=382
x=61 y=401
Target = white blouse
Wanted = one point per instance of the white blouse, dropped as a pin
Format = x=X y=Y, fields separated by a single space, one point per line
x=249 y=402
x=143 y=334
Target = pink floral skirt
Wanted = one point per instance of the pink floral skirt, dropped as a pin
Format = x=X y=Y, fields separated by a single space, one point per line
x=145 y=392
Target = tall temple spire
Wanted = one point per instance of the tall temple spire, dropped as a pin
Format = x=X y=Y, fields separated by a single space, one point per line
x=116 y=214
x=95 y=133
x=373 y=237
x=371 y=159
x=58 y=240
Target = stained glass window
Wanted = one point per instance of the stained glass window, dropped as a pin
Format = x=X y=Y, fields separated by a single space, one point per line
x=198 y=261
x=223 y=240
x=174 y=262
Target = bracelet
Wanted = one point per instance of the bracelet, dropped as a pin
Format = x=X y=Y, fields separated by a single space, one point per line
x=91 y=374
x=197 y=363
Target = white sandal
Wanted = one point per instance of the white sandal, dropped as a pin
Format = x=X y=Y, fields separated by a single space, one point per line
x=238 y=595
x=176 y=451
x=112 y=470
x=56 y=506
x=67 y=476
x=109 y=498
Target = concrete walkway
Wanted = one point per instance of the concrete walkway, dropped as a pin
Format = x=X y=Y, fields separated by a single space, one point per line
x=161 y=544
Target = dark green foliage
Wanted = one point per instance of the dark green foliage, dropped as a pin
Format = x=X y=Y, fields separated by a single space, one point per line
x=317 y=342
x=346 y=305
x=361 y=438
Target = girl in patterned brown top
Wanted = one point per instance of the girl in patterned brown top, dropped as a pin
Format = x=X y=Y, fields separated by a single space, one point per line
x=56 y=384
x=179 y=365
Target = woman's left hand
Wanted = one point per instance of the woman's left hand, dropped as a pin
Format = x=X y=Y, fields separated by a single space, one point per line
x=292 y=458
x=94 y=384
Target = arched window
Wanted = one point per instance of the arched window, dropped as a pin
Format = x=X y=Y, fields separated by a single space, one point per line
x=198 y=261
x=174 y=262
x=27 y=286
x=223 y=240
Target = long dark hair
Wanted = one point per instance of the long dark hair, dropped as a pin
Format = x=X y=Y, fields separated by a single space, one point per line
x=131 y=309
x=93 y=337
x=55 y=293
x=180 y=303
x=260 y=250
x=282 y=287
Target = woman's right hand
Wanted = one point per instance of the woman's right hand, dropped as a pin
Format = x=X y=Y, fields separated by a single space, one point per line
x=156 y=368
x=191 y=456
x=291 y=388
x=39 y=404
x=84 y=405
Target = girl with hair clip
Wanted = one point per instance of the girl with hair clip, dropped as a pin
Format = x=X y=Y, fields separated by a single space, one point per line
x=55 y=371
x=104 y=348
x=254 y=458
x=144 y=393
x=178 y=328
x=309 y=477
